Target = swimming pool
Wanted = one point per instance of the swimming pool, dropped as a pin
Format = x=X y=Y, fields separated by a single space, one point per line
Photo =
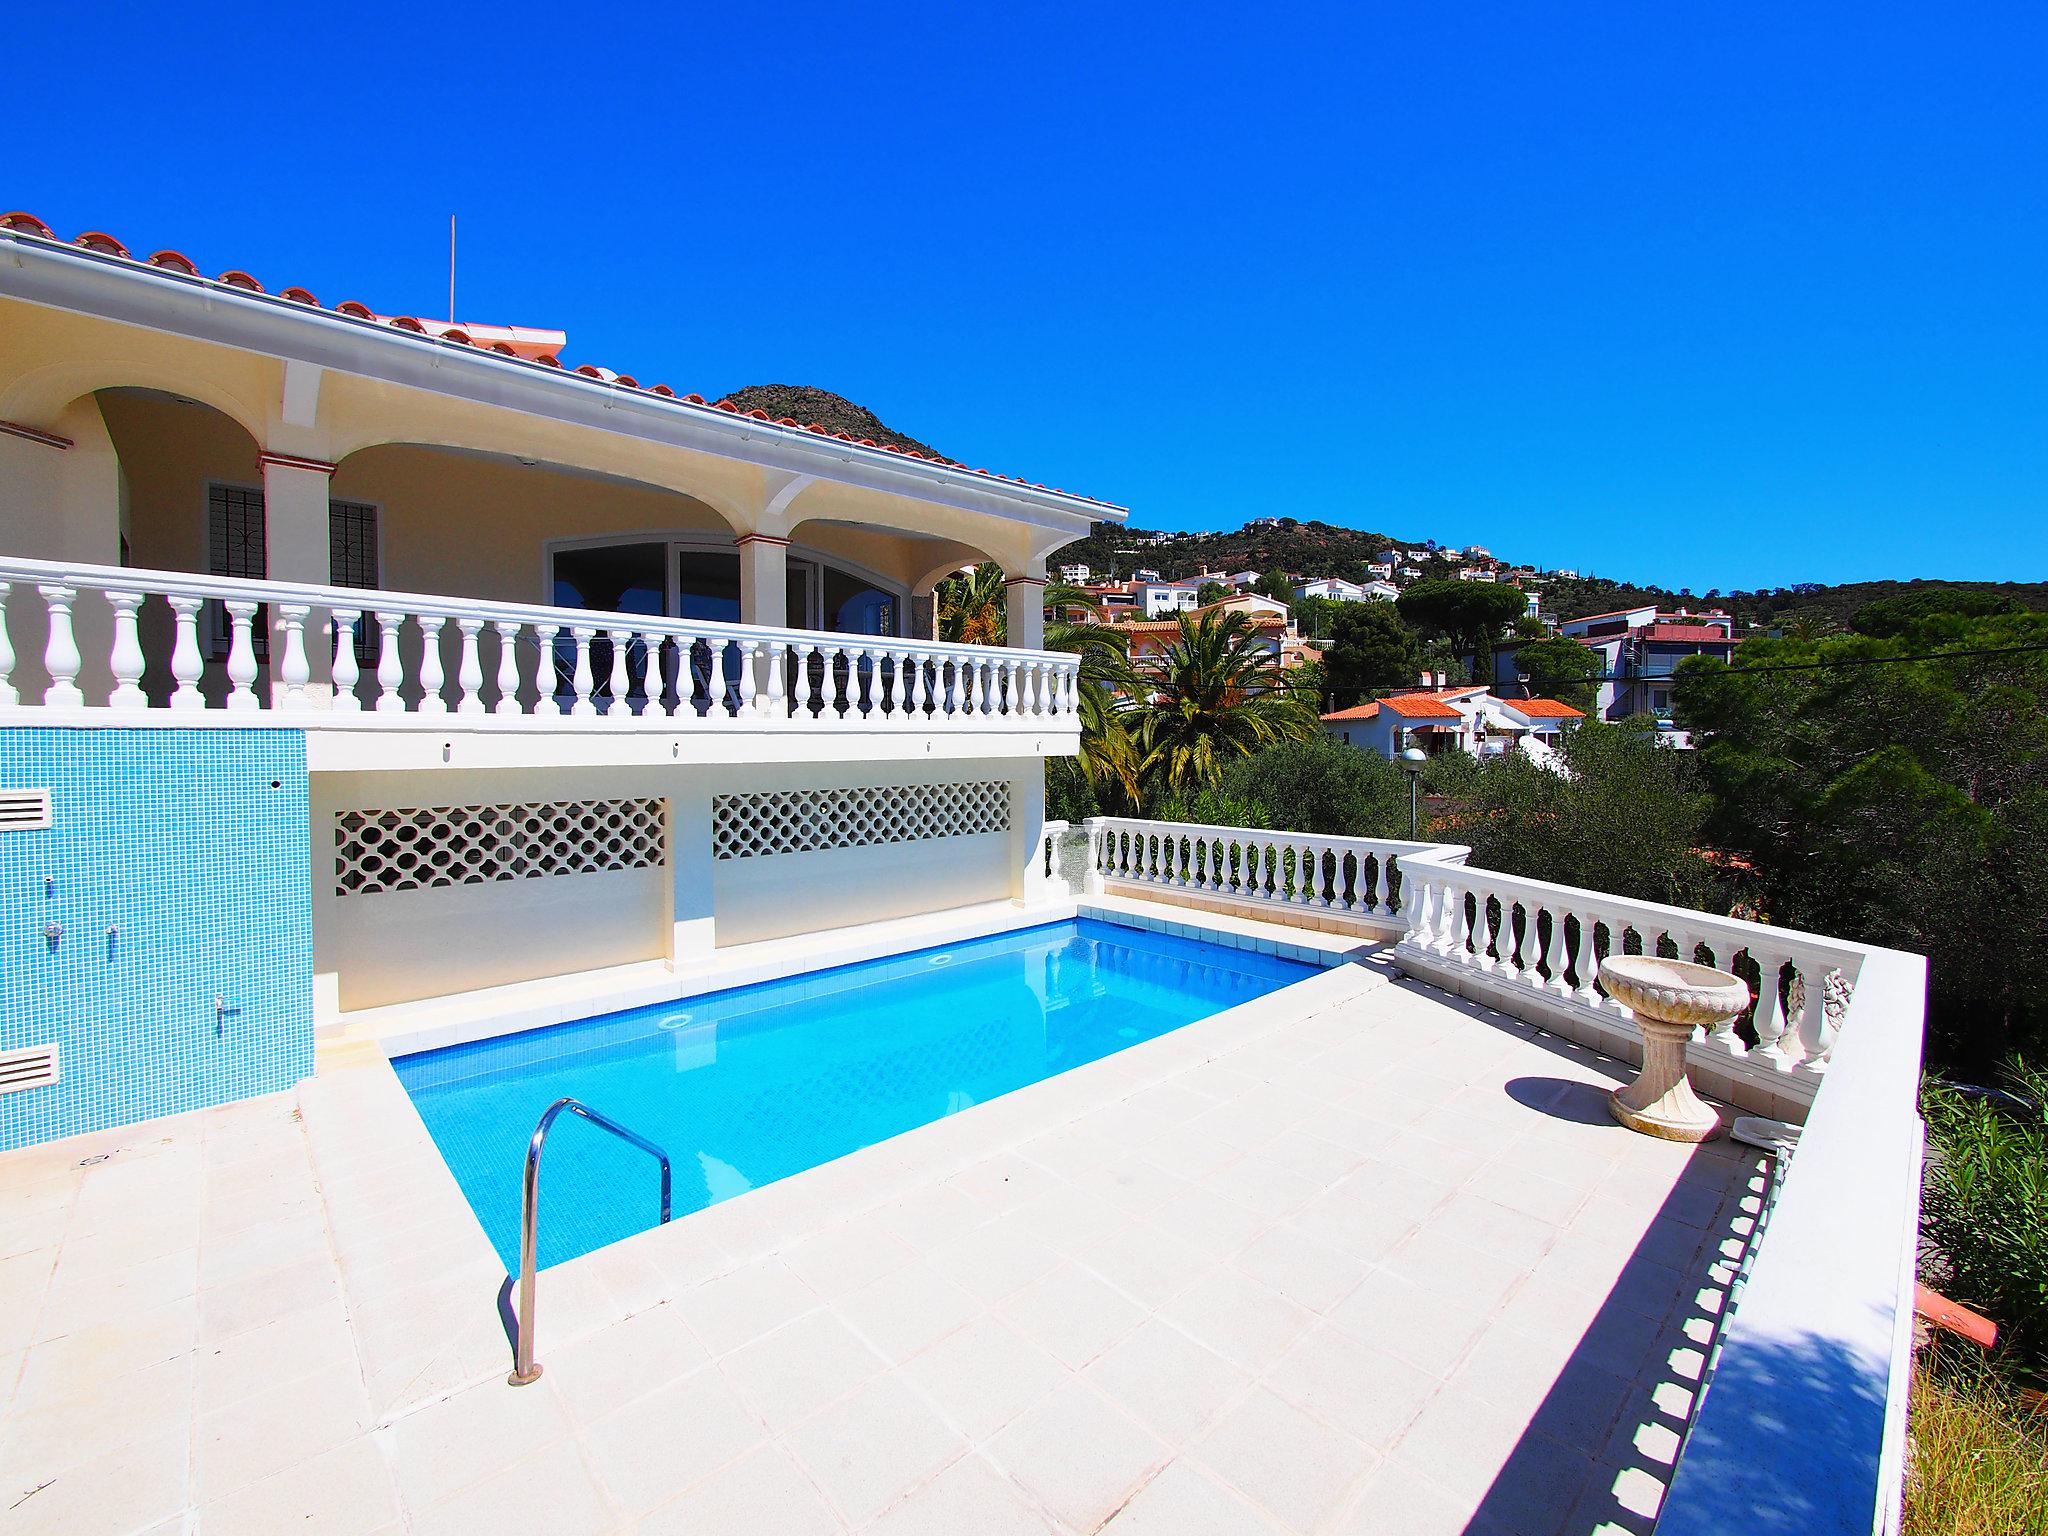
x=744 y=1087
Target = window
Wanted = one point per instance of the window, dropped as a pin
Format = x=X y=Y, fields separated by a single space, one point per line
x=235 y=531
x=235 y=546
x=352 y=544
x=352 y=562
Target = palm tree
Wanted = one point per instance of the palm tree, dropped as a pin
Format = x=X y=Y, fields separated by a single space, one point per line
x=973 y=608
x=1214 y=695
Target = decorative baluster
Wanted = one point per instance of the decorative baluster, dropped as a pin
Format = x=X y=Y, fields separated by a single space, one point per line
x=582 y=685
x=241 y=655
x=433 y=675
x=127 y=659
x=9 y=694
x=1774 y=1044
x=1554 y=953
x=293 y=668
x=1589 y=960
x=986 y=681
x=60 y=655
x=1424 y=900
x=507 y=631
x=749 y=685
x=616 y=683
x=469 y=670
x=341 y=635
x=775 y=702
x=390 y=665
x=186 y=664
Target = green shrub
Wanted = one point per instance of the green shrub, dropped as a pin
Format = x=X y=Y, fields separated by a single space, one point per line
x=1985 y=1211
x=1321 y=785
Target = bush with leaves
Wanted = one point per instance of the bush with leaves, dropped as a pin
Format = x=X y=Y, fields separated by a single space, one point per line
x=1624 y=816
x=1985 y=1209
x=1560 y=669
x=1885 y=792
x=1320 y=785
x=1371 y=651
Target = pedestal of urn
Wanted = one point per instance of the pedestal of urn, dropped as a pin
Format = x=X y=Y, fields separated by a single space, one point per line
x=1670 y=999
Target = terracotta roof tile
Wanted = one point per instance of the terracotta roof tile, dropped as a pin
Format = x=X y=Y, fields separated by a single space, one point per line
x=1355 y=712
x=1420 y=706
x=1543 y=709
x=171 y=261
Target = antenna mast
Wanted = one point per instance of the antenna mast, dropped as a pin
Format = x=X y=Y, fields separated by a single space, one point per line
x=451 y=269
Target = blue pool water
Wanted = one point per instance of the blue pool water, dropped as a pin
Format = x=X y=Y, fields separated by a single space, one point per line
x=745 y=1087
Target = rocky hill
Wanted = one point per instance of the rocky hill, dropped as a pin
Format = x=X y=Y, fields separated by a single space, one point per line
x=816 y=407
x=1314 y=548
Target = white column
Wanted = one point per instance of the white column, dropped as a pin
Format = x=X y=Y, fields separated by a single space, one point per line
x=764 y=581
x=296 y=547
x=1024 y=592
x=694 y=926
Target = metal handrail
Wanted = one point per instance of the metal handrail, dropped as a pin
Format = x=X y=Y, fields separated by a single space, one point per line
x=524 y=1368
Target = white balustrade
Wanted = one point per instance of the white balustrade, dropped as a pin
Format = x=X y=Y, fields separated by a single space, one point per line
x=1551 y=939
x=1353 y=876
x=404 y=658
x=1520 y=934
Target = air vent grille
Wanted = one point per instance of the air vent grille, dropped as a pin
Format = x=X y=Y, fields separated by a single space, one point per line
x=24 y=810
x=33 y=1066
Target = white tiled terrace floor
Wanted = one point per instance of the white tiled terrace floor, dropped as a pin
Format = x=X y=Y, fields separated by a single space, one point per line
x=1374 y=1260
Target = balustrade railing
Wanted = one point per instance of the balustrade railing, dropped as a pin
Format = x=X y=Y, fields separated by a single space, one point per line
x=1552 y=939
x=1548 y=939
x=1352 y=876
x=121 y=638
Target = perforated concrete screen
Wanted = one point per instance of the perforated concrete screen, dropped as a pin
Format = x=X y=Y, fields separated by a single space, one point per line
x=807 y=820
x=415 y=849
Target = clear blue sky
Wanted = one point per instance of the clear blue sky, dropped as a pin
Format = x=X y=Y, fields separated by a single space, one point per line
x=1728 y=296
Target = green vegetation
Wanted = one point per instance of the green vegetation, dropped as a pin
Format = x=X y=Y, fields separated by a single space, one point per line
x=1560 y=669
x=1900 y=802
x=1979 y=1461
x=1985 y=1210
x=1211 y=592
x=1371 y=651
x=1624 y=817
x=1320 y=785
x=1469 y=614
x=1215 y=695
x=1978 y=1464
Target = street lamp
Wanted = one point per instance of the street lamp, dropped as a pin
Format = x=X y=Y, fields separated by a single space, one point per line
x=1412 y=760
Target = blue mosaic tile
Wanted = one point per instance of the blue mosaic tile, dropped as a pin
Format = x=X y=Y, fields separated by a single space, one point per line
x=177 y=867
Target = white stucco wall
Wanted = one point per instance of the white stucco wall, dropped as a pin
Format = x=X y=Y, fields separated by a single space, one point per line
x=400 y=946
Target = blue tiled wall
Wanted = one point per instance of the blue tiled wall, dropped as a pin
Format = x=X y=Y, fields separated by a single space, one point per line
x=191 y=846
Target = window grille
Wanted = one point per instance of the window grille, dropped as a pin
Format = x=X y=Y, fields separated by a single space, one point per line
x=235 y=546
x=808 y=820
x=418 y=849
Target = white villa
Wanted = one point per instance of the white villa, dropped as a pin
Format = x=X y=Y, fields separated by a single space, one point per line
x=1337 y=589
x=1439 y=719
x=390 y=706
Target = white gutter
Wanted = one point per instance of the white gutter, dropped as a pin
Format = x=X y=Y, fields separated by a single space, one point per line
x=59 y=275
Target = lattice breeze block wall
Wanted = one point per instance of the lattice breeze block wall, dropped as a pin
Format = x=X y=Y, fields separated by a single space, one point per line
x=410 y=850
x=807 y=820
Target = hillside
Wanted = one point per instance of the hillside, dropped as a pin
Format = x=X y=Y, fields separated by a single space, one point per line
x=816 y=407
x=1307 y=548
x=1315 y=548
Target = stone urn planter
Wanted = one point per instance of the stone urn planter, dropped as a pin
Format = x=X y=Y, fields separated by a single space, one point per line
x=1670 y=999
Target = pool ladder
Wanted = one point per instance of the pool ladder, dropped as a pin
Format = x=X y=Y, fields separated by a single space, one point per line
x=524 y=1368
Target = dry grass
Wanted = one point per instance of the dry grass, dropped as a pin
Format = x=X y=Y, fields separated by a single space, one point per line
x=1978 y=1462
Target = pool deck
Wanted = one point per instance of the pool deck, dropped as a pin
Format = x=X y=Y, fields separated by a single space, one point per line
x=1361 y=1256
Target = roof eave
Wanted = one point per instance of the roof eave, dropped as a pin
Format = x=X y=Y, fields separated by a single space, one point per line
x=58 y=275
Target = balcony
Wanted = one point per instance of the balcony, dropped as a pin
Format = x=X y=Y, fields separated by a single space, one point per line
x=371 y=676
x=1805 y=1318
